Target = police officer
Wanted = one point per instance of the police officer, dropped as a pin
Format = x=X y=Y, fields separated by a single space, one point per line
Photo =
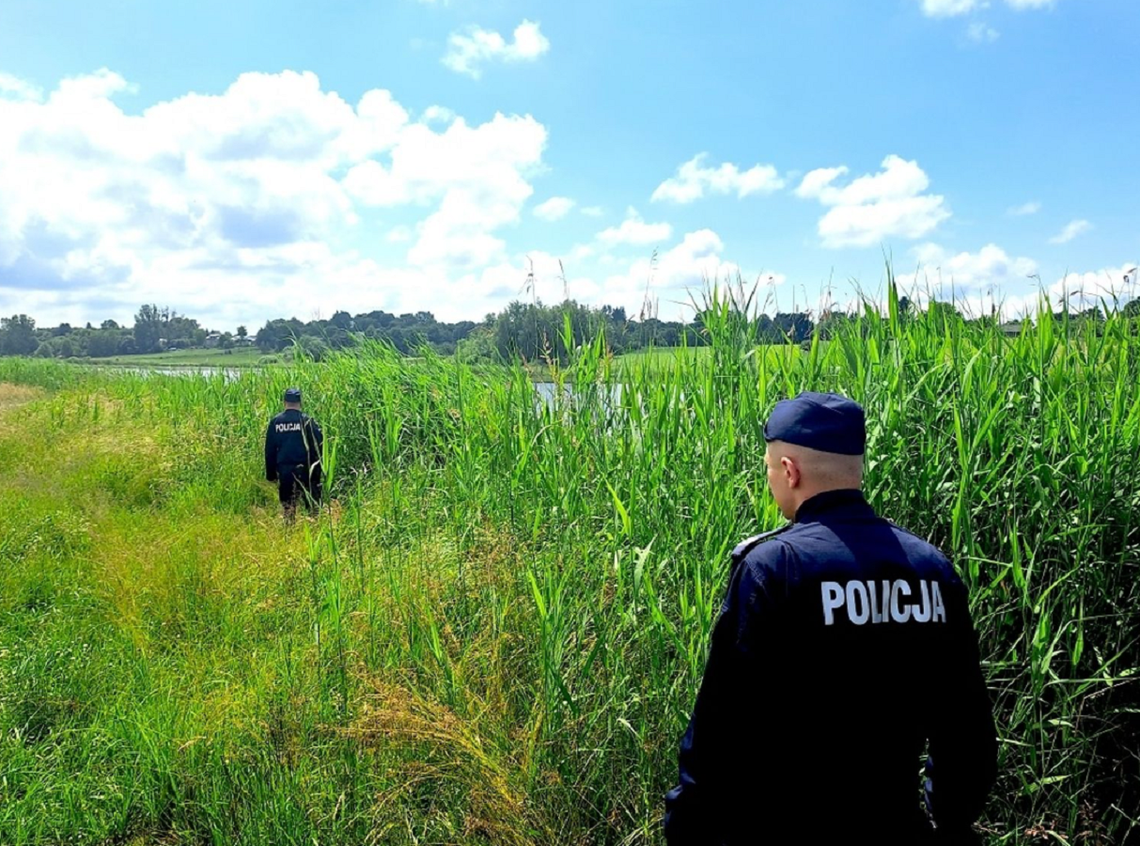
x=843 y=653
x=293 y=445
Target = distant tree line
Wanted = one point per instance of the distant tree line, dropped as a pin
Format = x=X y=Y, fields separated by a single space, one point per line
x=155 y=329
x=406 y=332
x=531 y=331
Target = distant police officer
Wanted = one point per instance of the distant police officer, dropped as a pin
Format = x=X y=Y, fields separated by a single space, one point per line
x=844 y=650
x=293 y=445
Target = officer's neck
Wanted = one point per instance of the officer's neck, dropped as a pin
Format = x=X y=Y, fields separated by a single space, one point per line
x=292 y=406
x=811 y=503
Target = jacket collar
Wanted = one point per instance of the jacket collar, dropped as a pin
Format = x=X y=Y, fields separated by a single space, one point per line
x=848 y=500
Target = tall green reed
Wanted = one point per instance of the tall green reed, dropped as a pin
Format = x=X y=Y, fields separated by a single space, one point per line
x=546 y=566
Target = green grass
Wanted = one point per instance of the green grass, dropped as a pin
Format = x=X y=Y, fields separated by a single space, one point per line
x=672 y=362
x=244 y=357
x=495 y=633
x=655 y=361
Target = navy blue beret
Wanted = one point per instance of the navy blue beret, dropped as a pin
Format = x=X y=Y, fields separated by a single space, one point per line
x=826 y=422
x=292 y=395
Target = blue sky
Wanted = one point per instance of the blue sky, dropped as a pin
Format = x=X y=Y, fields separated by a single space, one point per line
x=241 y=161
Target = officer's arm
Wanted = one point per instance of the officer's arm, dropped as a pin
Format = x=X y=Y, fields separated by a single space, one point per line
x=270 y=455
x=962 y=765
x=692 y=808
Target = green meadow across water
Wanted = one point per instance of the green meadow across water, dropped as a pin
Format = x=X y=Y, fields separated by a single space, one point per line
x=238 y=357
x=494 y=632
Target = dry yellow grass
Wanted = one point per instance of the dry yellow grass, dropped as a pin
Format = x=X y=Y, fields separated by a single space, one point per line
x=12 y=398
x=450 y=749
x=16 y=395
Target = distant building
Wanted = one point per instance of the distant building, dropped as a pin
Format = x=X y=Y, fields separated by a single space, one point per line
x=213 y=339
x=1012 y=329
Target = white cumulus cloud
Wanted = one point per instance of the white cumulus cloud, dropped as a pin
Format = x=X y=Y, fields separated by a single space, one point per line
x=553 y=209
x=467 y=52
x=478 y=175
x=667 y=284
x=982 y=33
x=694 y=179
x=1024 y=209
x=873 y=207
x=17 y=89
x=543 y=276
x=241 y=204
x=990 y=266
x=989 y=281
x=955 y=8
x=634 y=230
x=667 y=280
x=1071 y=231
x=949 y=8
x=1096 y=288
x=437 y=114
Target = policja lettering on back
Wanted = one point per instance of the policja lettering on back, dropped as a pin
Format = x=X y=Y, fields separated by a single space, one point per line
x=843 y=652
x=293 y=446
x=882 y=602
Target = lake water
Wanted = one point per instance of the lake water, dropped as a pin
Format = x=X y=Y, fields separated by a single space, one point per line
x=230 y=373
x=548 y=391
x=545 y=391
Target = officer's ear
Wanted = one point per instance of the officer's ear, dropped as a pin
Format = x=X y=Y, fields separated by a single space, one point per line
x=790 y=470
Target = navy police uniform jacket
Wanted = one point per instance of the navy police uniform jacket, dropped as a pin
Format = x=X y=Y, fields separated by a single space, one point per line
x=843 y=655
x=293 y=439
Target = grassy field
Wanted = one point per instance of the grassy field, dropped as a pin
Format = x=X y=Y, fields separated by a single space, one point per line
x=653 y=360
x=672 y=362
x=246 y=357
x=495 y=631
x=658 y=360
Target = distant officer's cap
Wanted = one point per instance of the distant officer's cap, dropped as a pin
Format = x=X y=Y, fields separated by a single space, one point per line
x=825 y=422
x=293 y=395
